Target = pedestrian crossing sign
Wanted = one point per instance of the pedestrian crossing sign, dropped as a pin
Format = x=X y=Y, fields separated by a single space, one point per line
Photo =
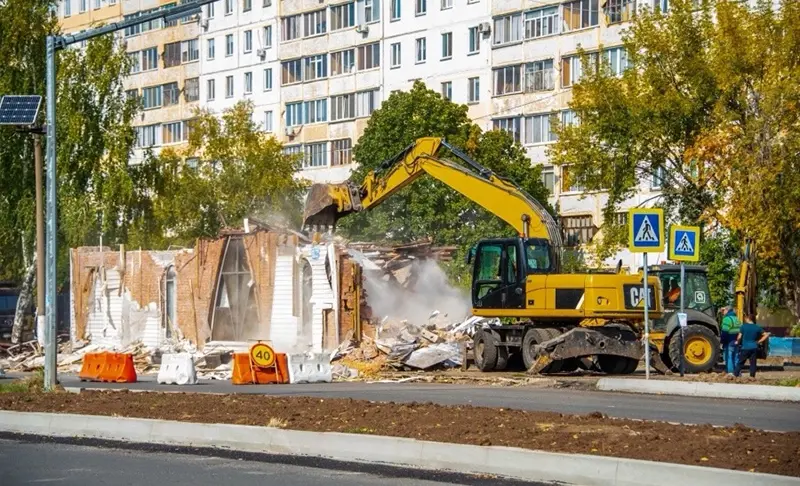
x=684 y=243
x=646 y=230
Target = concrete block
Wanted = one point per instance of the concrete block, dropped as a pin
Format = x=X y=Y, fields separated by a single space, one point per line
x=117 y=428
x=453 y=457
x=547 y=466
x=700 y=389
x=26 y=423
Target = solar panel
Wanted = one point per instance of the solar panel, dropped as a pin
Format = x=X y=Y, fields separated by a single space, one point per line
x=19 y=110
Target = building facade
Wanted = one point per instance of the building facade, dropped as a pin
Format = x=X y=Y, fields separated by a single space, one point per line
x=315 y=71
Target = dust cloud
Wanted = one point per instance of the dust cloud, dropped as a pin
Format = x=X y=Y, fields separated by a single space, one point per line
x=428 y=291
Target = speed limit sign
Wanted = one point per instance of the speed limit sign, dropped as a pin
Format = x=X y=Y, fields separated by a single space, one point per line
x=262 y=355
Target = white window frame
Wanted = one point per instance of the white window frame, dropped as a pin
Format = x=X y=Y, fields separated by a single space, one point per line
x=474 y=90
x=68 y=8
x=248 y=41
x=145 y=56
x=315 y=155
x=507 y=29
x=590 y=6
x=372 y=11
x=229 y=87
x=616 y=58
x=447 y=46
x=538 y=77
x=447 y=90
x=396 y=55
x=228 y=7
x=268 y=79
x=229 y=45
x=512 y=125
x=421 y=50
x=342 y=62
x=343 y=16
x=291 y=28
x=397 y=10
x=83 y=6
x=268 y=121
x=294 y=114
x=289 y=67
x=315 y=23
x=366 y=103
x=267 y=31
x=509 y=77
x=248 y=82
x=447 y=4
x=341 y=152
x=473 y=41
x=315 y=111
x=420 y=7
x=343 y=107
x=315 y=67
x=211 y=49
x=542 y=22
x=211 y=90
x=368 y=56
x=538 y=129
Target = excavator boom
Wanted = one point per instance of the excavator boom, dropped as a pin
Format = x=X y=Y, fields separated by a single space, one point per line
x=327 y=203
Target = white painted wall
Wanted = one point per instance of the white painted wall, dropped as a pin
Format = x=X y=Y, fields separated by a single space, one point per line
x=283 y=329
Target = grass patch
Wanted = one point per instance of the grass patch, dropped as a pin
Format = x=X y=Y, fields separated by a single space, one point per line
x=788 y=382
x=360 y=430
x=31 y=384
x=276 y=423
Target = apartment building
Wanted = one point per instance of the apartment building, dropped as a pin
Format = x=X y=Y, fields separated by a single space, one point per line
x=534 y=66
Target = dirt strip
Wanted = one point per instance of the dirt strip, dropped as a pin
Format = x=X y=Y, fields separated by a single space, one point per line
x=738 y=447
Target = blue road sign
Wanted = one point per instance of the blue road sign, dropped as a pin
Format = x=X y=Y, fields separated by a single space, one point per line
x=684 y=243
x=646 y=230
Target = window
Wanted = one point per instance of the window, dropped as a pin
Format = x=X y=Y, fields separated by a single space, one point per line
x=235 y=313
x=68 y=7
x=568 y=117
x=396 y=55
x=580 y=14
x=135 y=60
x=150 y=59
x=172 y=54
x=507 y=80
x=474 y=41
x=83 y=6
x=421 y=7
x=541 y=22
x=447 y=45
x=343 y=16
x=291 y=72
x=210 y=90
x=342 y=152
x=268 y=79
x=510 y=125
x=447 y=90
x=447 y=4
x=248 y=82
x=247 y=5
x=268 y=36
x=228 y=45
x=366 y=103
x=294 y=114
x=572 y=68
x=508 y=29
x=191 y=89
x=343 y=107
x=316 y=111
x=314 y=23
x=229 y=86
x=539 y=76
x=616 y=59
x=578 y=230
x=369 y=56
x=292 y=150
x=474 y=90
x=316 y=67
x=537 y=129
x=147 y=136
x=96 y=4
x=210 y=10
x=421 y=54
x=170 y=93
x=172 y=132
x=372 y=11
x=210 y=47
x=549 y=178
x=266 y=3
x=290 y=28
x=228 y=7
x=248 y=41
x=151 y=97
x=268 y=121
x=315 y=155
x=395 y=15
x=190 y=51
x=619 y=10
x=343 y=62
x=657 y=178
x=132 y=94
x=568 y=183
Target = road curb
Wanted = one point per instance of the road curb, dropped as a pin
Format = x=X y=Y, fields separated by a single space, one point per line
x=701 y=389
x=509 y=462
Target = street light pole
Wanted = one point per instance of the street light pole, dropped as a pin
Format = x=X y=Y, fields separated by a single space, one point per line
x=40 y=263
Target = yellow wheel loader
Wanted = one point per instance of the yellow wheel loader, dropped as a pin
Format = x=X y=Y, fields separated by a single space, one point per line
x=558 y=318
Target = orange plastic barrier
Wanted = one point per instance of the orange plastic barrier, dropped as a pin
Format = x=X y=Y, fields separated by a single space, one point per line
x=245 y=373
x=112 y=367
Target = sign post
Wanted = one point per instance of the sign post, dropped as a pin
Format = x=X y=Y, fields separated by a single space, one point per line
x=646 y=233
x=684 y=246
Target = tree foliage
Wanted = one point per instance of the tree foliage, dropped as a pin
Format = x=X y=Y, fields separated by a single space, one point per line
x=709 y=105
x=429 y=208
x=229 y=170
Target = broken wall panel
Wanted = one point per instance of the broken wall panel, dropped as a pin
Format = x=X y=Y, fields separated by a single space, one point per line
x=196 y=282
x=262 y=248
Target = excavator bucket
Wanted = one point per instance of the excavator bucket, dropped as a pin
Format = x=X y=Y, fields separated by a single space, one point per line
x=325 y=204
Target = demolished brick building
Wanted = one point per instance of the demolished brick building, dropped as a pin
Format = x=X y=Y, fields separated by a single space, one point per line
x=266 y=284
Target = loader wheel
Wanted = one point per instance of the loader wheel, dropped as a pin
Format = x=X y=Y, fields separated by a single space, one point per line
x=484 y=351
x=633 y=363
x=533 y=337
x=502 y=352
x=612 y=365
x=701 y=349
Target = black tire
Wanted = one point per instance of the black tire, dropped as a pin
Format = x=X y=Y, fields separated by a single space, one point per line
x=570 y=365
x=633 y=363
x=703 y=346
x=535 y=336
x=612 y=365
x=484 y=351
x=502 y=352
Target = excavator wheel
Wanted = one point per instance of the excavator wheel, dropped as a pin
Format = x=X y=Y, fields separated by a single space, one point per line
x=701 y=349
x=613 y=365
x=502 y=352
x=633 y=363
x=484 y=350
x=555 y=366
x=533 y=337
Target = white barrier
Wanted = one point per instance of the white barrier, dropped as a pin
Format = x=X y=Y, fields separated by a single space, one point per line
x=310 y=368
x=177 y=369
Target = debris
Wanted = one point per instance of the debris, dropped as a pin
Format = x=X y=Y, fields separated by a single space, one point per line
x=445 y=354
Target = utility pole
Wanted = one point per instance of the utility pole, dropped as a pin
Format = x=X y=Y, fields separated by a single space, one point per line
x=40 y=313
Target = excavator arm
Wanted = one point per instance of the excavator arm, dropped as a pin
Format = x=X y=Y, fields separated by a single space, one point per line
x=327 y=203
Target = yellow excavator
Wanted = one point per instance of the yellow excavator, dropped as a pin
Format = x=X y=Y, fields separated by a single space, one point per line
x=558 y=319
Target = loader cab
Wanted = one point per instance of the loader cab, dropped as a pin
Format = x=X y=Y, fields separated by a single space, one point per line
x=501 y=267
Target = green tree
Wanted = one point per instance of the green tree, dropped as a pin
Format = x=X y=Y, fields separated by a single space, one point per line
x=708 y=106
x=429 y=208
x=230 y=170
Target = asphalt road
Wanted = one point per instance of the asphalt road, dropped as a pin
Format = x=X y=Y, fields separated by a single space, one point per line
x=39 y=461
x=775 y=416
